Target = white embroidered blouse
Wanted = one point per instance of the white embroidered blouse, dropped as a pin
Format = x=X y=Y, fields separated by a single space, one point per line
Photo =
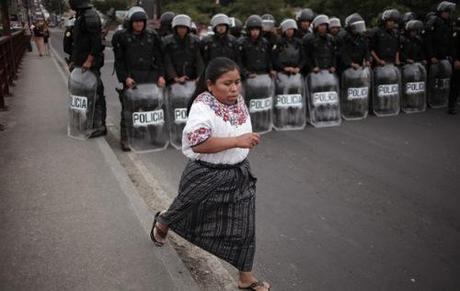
x=209 y=117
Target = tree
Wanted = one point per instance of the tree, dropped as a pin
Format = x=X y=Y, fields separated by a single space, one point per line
x=105 y=5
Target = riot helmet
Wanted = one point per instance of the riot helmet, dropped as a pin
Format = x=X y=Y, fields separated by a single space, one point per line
x=305 y=15
x=288 y=24
x=268 y=22
x=320 y=20
x=254 y=21
x=355 y=23
x=181 y=20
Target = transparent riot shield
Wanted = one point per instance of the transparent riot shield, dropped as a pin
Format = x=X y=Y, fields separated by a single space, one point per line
x=289 y=104
x=356 y=86
x=145 y=115
x=439 y=84
x=178 y=98
x=258 y=93
x=413 y=88
x=82 y=99
x=387 y=91
x=323 y=99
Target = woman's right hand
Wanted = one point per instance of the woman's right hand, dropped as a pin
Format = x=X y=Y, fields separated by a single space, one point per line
x=248 y=140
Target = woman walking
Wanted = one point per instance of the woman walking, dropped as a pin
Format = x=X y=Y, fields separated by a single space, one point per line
x=46 y=36
x=39 y=38
x=215 y=207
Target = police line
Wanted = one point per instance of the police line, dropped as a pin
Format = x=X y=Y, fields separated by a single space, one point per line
x=156 y=117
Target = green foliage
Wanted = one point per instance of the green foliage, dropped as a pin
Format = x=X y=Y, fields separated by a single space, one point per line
x=105 y=5
x=56 y=6
x=202 y=11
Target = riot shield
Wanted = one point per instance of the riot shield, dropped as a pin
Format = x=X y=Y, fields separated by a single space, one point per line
x=145 y=115
x=387 y=91
x=82 y=99
x=413 y=88
x=323 y=99
x=356 y=86
x=178 y=98
x=289 y=104
x=439 y=84
x=258 y=93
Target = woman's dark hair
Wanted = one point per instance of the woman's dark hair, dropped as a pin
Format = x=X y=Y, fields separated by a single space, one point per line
x=215 y=69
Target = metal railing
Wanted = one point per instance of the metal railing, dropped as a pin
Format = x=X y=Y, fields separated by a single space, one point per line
x=12 y=50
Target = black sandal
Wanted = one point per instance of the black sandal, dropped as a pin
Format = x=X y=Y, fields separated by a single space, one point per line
x=159 y=231
x=254 y=286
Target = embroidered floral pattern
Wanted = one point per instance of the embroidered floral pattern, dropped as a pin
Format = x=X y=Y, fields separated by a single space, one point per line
x=198 y=136
x=236 y=114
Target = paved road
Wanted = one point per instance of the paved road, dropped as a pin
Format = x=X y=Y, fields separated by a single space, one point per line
x=370 y=205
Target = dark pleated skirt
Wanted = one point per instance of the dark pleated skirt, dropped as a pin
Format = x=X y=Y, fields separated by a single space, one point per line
x=215 y=210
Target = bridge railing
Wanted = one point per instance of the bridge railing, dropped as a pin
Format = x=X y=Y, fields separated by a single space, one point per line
x=12 y=50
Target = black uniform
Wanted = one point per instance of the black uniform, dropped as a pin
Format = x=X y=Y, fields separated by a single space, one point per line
x=319 y=51
x=288 y=53
x=137 y=56
x=255 y=56
x=214 y=46
x=354 y=49
x=438 y=38
x=385 y=43
x=300 y=34
x=271 y=37
x=182 y=57
x=338 y=43
x=87 y=40
x=412 y=49
x=68 y=42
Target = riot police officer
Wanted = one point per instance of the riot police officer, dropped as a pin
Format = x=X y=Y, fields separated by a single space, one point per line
x=412 y=44
x=87 y=53
x=288 y=56
x=385 y=41
x=221 y=44
x=335 y=29
x=304 y=19
x=182 y=55
x=268 y=29
x=408 y=16
x=255 y=51
x=319 y=47
x=236 y=28
x=355 y=50
x=439 y=34
x=165 y=23
x=335 y=26
x=138 y=58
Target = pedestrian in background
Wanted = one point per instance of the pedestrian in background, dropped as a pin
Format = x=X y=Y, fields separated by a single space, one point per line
x=46 y=36
x=39 y=38
x=215 y=207
x=28 y=35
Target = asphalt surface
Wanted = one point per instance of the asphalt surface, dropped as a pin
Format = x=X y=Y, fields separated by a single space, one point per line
x=369 y=205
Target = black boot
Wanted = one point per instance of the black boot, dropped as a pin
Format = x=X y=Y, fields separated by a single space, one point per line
x=452 y=111
x=99 y=131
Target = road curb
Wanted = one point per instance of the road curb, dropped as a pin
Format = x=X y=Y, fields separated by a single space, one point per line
x=179 y=274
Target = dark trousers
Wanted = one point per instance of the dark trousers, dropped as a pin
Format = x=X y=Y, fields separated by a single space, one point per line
x=123 y=127
x=454 y=89
x=100 y=113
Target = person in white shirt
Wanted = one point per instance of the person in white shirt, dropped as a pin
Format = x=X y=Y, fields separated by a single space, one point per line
x=215 y=206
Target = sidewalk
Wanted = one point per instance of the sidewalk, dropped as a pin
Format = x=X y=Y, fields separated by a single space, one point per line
x=70 y=218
